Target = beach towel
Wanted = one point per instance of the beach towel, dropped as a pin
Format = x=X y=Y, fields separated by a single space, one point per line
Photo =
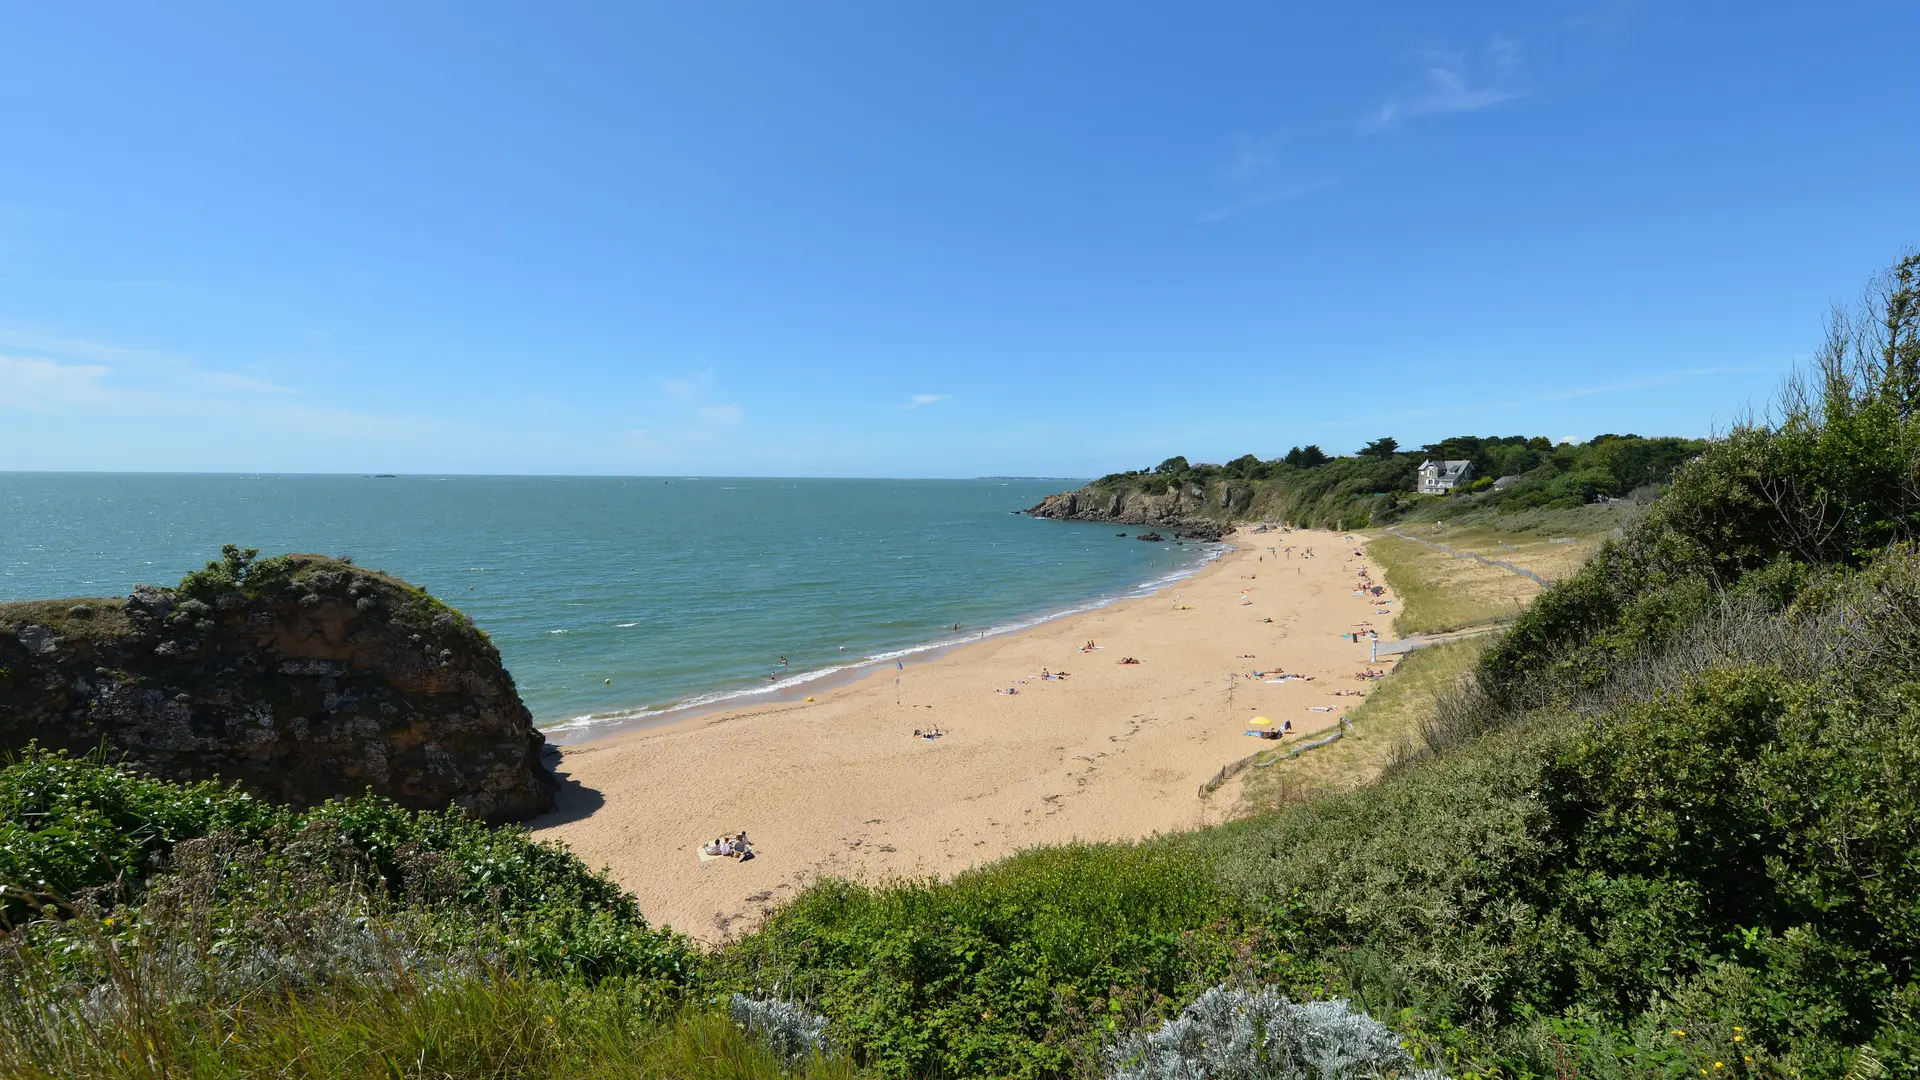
x=1321 y=708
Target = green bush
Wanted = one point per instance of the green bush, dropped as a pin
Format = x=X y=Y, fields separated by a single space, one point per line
x=73 y=827
x=239 y=569
x=1006 y=971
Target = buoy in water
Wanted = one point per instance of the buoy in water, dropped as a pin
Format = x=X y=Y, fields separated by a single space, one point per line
x=609 y=682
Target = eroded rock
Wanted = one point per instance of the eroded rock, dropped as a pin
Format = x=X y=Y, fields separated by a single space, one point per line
x=340 y=680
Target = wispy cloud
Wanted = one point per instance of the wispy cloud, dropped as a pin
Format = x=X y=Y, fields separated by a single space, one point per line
x=136 y=390
x=1456 y=82
x=720 y=415
x=918 y=400
x=695 y=408
x=1255 y=173
x=688 y=387
x=1670 y=378
x=42 y=385
x=135 y=368
x=1484 y=404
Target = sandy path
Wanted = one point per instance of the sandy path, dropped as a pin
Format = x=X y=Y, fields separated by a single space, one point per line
x=840 y=785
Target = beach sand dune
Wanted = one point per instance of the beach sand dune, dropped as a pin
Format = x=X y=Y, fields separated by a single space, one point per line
x=840 y=786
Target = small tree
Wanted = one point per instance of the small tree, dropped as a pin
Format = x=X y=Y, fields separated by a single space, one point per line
x=1247 y=466
x=1172 y=466
x=237 y=568
x=1382 y=448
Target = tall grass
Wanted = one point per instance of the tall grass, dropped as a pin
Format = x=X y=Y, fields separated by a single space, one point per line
x=481 y=1026
x=1438 y=593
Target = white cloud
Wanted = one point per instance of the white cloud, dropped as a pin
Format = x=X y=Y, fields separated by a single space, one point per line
x=43 y=385
x=1255 y=174
x=1457 y=82
x=918 y=400
x=720 y=415
x=691 y=387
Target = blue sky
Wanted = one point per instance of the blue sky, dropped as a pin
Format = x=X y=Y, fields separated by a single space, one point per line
x=921 y=239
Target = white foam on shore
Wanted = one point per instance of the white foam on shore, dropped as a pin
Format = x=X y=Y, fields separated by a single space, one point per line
x=709 y=701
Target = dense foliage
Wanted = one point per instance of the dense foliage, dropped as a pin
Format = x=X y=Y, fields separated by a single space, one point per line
x=1831 y=484
x=73 y=829
x=1376 y=485
x=1006 y=971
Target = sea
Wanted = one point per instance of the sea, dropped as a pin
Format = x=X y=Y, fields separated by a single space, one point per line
x=617 y=602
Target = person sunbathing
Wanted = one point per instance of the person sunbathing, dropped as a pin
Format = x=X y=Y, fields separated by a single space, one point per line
x=1128 y=660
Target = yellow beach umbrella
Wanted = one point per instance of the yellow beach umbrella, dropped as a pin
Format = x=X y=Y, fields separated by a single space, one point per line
x=1261 y=721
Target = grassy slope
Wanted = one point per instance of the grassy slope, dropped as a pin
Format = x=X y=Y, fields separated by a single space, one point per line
x=1440 y=592
x=1384 y=727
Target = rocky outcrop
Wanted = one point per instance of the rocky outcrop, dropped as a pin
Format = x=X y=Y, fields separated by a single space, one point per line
x=325 y=680
x=1179 y=509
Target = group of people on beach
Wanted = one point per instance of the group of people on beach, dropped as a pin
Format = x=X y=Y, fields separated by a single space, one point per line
x=933 y=732
x=734 y=847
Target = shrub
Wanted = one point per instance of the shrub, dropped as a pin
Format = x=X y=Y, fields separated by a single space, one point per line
x=787 y=1028
x=1006 y=970
x=74 y=828
x=1236 y=1034
x=239 y=569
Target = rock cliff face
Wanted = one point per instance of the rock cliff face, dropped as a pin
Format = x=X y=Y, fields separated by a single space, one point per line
x=1176 y=509
x=327 y=681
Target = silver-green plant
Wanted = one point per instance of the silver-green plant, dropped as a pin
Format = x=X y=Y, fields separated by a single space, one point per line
x=1231 y=1033
x=788 y=1028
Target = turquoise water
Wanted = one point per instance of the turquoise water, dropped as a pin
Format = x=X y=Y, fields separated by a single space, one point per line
x=681 y=591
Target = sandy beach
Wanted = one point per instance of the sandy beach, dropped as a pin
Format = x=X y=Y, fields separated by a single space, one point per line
x=841 y=786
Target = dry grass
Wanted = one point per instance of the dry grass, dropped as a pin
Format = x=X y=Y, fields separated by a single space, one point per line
x=1390 y=717
x=82 y=617
x=1439 y=592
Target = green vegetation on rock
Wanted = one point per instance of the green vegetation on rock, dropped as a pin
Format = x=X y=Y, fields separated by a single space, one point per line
x=1376 y=486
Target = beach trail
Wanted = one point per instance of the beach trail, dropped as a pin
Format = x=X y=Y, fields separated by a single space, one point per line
x=841 y=786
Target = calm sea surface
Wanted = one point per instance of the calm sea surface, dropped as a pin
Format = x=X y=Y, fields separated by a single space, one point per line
x=681 y=591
